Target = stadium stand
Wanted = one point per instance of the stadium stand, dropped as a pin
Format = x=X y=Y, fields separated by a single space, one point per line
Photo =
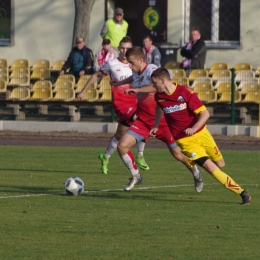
x=63 y=84
x=64 y=94
x=226 y=97
x=207 y=96
x=202 y=86
x=220 y=74
x=41 y=84
x=41 y=94
x=218 y=66
x=19 y=93
x=172 y=65
x=243 y=66
x=40 y=74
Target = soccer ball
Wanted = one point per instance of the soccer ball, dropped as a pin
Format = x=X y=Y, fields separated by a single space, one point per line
x=74 y=186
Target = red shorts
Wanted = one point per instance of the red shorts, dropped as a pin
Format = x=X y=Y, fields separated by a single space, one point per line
x=141 y=128
x=125 y=114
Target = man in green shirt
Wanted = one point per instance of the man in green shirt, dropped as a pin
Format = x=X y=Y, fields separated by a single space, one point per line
x=115 y=29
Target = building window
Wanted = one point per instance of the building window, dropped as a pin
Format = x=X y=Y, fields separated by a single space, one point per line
x=6 y=22
x=217 y=20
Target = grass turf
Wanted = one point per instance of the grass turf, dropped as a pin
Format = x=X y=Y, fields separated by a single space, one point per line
x=107 y=223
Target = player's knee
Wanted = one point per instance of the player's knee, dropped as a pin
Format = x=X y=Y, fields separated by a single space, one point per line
x=220 y=163
x=201 y=161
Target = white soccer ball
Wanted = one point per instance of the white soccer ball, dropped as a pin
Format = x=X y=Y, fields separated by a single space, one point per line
x=74 y=186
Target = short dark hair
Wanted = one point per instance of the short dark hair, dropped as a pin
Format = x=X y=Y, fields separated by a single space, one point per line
x=125 y=40
x=136 y=51
x=195 y=29
x=106 y=41
x=161 y=73
x=148 y=37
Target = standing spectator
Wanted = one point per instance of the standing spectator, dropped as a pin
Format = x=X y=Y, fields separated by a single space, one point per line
x=152 y=54
x=105 y=54
x=194 y=52
x=80 y=60
x=115 y=29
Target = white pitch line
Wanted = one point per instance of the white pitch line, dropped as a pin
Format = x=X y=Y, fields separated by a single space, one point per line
x=112 y=190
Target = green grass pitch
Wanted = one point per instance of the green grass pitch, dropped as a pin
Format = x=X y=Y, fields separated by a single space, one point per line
x=163 y=218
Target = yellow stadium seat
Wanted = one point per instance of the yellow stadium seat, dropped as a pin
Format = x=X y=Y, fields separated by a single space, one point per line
x=64 y=94
x=220 y=74
x=201 y=79
x=172 y=65
x=41 y=64
x=40 y=73
x=82 y=82
x=19 y=80
x=63 y=84
x=4 y=78
x=243 y=66
x=197 y=73
x=91 y=95
x=41 y=84
x=20 y=93
x=3 y=86
x=178 y=73
x=249 y=80
x=20 y=63
x=207 y=96
x=224 y=87
x=226 y=97
x=3 y=63
x=201 y=86
x=20 y=71
x=181 y=81
x=252 y=97
x=106 y=96
x=218 y=66
x=250 y=86
x=66 y=77
x=244 y=75
x=257 y=71
x=4 y=70
x=57 y=66
x=41 y=94
x=104 y=84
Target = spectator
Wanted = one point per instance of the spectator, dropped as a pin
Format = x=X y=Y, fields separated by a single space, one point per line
x=194 y=52
x=152 y=54
x=115 y=29
x=80 y=60
x=105 y=54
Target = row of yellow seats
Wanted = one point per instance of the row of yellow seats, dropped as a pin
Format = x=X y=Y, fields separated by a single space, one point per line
x=211 y=96
x=62 y=94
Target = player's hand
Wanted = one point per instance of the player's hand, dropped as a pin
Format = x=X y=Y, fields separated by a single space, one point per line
x=80 y=96
x=81 y=73
x=61 y=72
x=130 y=91
x=189 y=131
x=153 y=132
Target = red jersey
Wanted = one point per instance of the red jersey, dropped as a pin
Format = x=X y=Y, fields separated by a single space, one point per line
x=180 y=109
x=118 y=71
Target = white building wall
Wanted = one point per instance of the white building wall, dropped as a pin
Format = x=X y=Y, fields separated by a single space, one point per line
x=249 y=50
x=43 y=29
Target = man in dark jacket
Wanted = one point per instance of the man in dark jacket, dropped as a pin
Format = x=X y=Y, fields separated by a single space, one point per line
x=194 y=52
x=80 y=60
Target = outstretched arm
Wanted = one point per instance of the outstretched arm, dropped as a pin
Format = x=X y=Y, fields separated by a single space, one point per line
x=158 y=116
x=128 y=80
x=145 y=89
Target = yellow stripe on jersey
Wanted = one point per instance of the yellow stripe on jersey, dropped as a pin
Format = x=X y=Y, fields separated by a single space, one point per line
x=202 y=108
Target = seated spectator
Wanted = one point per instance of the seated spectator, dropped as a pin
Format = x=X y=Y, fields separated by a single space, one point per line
x=152 y=53
x=105 y=54
x=194 y=52
x=80 y=60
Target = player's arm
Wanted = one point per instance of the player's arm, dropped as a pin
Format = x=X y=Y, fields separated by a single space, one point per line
x=91 y=81
x=158 y=116
x=203 y=116
x=128 y=80
x=145 y=89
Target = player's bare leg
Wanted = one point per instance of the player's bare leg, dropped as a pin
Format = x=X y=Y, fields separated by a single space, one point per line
x=104 y=157
x=124 y=145
x=178 y=155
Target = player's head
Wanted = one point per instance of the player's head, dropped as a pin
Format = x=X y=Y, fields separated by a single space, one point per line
x=159 y=77
x=124 y=45
x=106 y=44
x=80 y=43
x=147 y=42
x=195 y=34
x=135 y=58
x=119 y=14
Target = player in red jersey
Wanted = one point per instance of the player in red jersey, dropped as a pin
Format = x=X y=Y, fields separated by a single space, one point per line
x=186 y=117
x=140 y=129
x=124 y=105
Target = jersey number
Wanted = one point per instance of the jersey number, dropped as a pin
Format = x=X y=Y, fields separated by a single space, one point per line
x=216 y=150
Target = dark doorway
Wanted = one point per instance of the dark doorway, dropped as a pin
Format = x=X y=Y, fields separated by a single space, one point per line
x=145 y=17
